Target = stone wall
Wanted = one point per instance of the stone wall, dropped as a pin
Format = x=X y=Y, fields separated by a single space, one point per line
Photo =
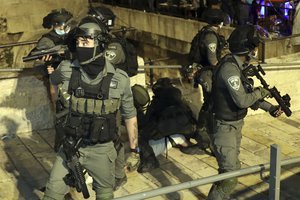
x=21 y=20
x=24 y=102
x=24 y=105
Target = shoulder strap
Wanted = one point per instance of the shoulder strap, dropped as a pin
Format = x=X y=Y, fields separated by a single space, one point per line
x=74 y=80
x=104 y=87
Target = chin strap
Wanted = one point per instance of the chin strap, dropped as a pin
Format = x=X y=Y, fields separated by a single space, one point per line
x=94 y=55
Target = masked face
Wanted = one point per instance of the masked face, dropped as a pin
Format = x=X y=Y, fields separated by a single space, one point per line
x=62 y=30
x=84 y=53
x=86 y=50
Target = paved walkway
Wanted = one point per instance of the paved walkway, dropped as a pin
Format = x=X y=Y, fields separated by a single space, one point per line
x=26 y=160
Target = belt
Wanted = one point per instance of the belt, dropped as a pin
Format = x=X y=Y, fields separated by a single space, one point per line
x=88 y=142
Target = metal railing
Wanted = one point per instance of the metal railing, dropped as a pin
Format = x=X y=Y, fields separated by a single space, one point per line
x=17 y=44
x=274 y=181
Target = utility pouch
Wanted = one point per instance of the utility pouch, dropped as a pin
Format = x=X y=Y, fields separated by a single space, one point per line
x=98 y=129
x=109 y=130
x=73 y=125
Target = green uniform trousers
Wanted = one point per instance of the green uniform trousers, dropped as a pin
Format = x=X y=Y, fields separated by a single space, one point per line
x=98 y=160
x=226 y=142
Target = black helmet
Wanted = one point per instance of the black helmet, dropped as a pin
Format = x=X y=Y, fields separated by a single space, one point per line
x=140 y=95
x=90 y=28
x=245 y=38
x=103 y=15
x=58 y=17
x=215 y=17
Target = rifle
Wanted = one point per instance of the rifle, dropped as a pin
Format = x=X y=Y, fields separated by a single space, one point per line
x=75 y=178
x=59 y=51
x=283 y=101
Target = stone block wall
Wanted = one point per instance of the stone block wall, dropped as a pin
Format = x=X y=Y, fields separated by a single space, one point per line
x=24 y=102
x=21 y=20
x=24 y=105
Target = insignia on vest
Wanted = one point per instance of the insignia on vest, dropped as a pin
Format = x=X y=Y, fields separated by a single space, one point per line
x=113 y=84
x=212 y=47
x=110 y=55
x=234 y=82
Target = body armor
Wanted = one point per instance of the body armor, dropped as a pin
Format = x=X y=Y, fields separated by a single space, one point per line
x=224 y=106
x=92 y=113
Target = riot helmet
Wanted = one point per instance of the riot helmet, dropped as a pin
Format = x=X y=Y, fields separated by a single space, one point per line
x=245 y=39
x=55 y=18
x=103 y=15
x=215 y=17
x=89 y=27
x=90 y=30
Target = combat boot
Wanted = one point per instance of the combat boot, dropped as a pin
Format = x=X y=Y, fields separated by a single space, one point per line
x=119 y=182
x=148 y=164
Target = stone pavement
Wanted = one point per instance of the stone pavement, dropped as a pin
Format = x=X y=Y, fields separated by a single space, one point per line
x=26 y=160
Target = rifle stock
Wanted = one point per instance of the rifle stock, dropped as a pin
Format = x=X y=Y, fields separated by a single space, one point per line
x=283 y=101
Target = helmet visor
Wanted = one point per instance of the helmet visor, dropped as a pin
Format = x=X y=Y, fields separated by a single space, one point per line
x=88 y=30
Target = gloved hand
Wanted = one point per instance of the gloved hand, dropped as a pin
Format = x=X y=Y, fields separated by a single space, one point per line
x=133 y=161
x=264 y=92
x=275 y=111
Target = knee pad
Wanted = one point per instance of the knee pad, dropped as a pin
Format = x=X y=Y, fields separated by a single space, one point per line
x=104 y=193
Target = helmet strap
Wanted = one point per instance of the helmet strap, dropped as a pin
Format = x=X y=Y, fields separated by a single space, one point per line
x=94 y=54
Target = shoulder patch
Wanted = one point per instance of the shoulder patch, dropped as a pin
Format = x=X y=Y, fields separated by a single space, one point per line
x=110 y=54
x=113 y=84
x=234 y=82
x=212 y=47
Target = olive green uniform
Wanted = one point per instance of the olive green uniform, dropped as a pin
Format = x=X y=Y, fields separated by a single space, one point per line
x=98 y=159
x=231 y=99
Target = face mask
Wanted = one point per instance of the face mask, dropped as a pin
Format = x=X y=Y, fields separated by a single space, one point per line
x=60 y=32
x=84 y=53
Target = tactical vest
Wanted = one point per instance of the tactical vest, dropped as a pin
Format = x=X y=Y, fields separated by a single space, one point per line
x=56 y=39
x=224 y=106
x=92 y=113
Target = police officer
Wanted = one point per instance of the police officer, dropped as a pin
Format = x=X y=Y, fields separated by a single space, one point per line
x=105 y=18
x=233 y=94
x=97 y=91
x=57 y=20
x=205 y=55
